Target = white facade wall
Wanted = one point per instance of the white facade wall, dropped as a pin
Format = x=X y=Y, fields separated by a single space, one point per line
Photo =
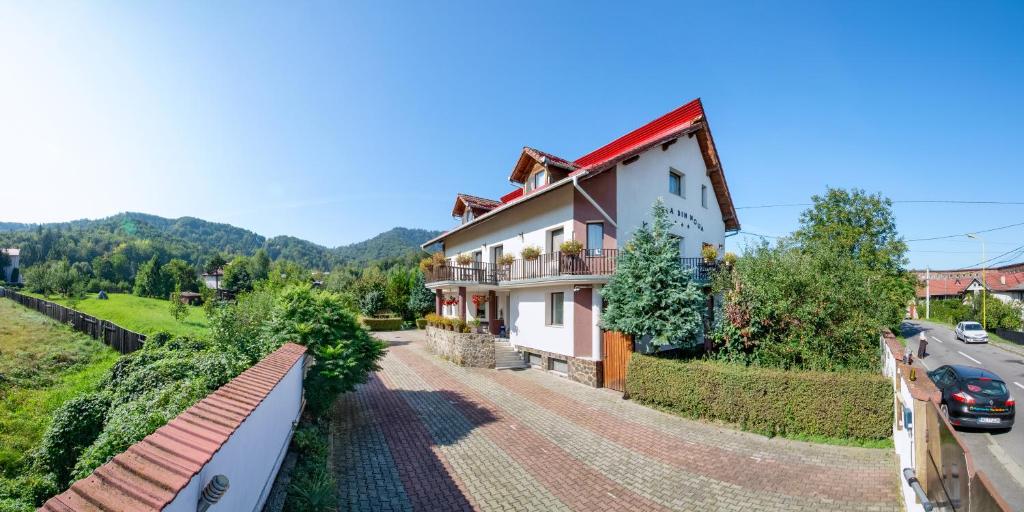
x=252 y=455
x=528 y=325
x=640 y=183
x=527 y=224
x=10 y=268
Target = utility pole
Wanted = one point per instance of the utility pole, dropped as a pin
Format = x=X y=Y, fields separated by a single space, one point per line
x=927 y=293
x=984 y=284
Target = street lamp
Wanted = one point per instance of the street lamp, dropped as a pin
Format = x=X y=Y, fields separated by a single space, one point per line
x=984 y=283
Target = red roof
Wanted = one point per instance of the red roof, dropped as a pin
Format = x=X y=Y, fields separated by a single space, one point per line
x=663 y=126
x=151 y=473
x=945 y=287
x=511 y=196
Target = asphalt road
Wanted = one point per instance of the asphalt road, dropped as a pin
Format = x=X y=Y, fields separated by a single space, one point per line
x=999 y=455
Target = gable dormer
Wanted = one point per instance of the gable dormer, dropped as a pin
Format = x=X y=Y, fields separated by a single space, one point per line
x=469 y=207
x=535 y=169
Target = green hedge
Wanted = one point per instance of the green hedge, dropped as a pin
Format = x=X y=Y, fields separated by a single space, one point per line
x=842 y=405
x=383 y=324
x=421 y=323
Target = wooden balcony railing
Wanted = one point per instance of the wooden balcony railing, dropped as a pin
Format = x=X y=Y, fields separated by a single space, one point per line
x=587 y=263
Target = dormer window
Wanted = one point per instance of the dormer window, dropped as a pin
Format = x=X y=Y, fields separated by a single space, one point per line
x=538 y=179
x=467 y=215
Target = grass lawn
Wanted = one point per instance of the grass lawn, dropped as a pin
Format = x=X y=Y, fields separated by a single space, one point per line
x=42 y=365
x=140 y=314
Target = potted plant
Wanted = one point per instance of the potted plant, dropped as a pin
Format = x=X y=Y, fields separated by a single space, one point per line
x=464 y=259
x=530 y=253
x=571 y=247
x=506 y=260
x=474 y=324
x=709 y=253
x=729 y=259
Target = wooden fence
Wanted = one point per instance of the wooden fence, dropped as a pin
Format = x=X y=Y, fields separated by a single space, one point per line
x=1014 y=336
x=119 y=338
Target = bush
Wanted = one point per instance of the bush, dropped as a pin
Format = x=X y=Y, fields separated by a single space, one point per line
x=312 y=488
x=847 y=405
x=383 y=324
x=75 y=426
x=421 y=323
x=997 y=313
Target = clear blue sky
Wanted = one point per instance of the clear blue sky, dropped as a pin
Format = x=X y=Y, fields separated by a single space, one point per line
x=333 y=121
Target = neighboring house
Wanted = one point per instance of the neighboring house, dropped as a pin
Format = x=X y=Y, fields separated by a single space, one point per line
x=1005 y=283
x=212 y=279
x=551 y=305
x=15 y=257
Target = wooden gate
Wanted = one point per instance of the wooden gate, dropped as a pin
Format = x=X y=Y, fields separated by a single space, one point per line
x=616 y=349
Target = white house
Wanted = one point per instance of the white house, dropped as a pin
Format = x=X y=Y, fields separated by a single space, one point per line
x=550 y=305
x=212 y=279
x=15 y=256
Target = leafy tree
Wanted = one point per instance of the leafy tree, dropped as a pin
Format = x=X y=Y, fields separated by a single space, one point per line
x=150 y=280
x=260 y=265
x=855 y=222
x=372 y=303
x=650 y=293
x=5 y=261
x=237 y=275
x=181 y=275
x=179 y=310
x=344 y=351
x=421 y=299
x=15 y=275
x=396 y=292
x=216 y=262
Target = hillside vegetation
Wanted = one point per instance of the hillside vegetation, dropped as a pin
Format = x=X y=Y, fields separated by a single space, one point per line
x=137 y=236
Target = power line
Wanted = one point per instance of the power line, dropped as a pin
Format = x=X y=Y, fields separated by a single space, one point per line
x=909 y=201
x=980 y=263
x=965 y=234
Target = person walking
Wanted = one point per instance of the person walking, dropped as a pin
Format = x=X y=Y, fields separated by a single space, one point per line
x=922 y=346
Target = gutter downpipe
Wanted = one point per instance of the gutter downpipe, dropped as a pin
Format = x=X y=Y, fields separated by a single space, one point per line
x=576 y=185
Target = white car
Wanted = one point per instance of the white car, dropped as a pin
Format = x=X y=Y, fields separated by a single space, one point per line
x=971 y=332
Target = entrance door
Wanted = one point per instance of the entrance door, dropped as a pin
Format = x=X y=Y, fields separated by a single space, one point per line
x=616 y=349
x=555 y=240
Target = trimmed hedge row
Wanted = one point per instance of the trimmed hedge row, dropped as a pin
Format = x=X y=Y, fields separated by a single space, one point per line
x=769 y=401
x=383 y=324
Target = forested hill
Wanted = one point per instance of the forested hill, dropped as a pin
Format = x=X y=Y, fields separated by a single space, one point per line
x=192 y=239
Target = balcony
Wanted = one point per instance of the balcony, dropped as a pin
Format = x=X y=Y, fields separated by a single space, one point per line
x=550 y=266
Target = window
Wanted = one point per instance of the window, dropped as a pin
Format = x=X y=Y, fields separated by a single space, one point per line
x=496 y=253
x=704 y=196
x=467 y=215
x=682 y=246
x=535 y=360
x=595 y=238
x=676 y=183
x=538 y=179
x=555 y=309
x=558 y=365
x=555 y=239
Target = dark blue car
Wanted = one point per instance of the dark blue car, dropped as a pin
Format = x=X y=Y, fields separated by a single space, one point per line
x=974 y=397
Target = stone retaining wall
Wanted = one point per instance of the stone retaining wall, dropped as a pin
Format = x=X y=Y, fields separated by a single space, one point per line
x=464 y=349
x=584 y=371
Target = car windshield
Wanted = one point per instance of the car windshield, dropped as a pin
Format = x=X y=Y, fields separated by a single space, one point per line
x=972 y=327
x=987 y=387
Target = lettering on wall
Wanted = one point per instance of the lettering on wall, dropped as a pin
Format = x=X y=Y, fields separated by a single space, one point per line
x=686 y=219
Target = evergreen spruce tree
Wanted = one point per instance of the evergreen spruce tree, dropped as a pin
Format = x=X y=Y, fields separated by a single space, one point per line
x=421 y=299
x=651 y=294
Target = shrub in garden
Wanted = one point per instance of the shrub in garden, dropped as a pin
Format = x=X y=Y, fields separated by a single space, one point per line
x=847 y=405
x=74 y=427
x=312 y=487
x=421 y=323
x=383 y=324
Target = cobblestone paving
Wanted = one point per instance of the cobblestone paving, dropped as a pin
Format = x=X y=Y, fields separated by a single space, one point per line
x=424 y=434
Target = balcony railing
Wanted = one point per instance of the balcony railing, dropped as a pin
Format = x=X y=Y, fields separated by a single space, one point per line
x=587 y=263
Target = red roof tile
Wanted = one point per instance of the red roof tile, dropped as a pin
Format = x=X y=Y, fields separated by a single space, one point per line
x=663 y=126
x=151 y=473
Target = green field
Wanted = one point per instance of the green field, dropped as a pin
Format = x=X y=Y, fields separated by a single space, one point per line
x=141 y=314
x=42 y=365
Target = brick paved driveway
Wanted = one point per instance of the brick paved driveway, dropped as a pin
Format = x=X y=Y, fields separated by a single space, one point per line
x=426 y=435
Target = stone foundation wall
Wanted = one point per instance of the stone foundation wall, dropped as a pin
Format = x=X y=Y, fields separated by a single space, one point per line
x=464 y=349
x=584 y=371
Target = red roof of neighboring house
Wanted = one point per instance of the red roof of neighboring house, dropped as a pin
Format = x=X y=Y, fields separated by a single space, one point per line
x=663 y=126
x=1004 y=281
x=945 y=287
x=151 y=473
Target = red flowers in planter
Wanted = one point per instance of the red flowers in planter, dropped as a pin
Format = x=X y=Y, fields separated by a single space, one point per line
x=450 y=301
x=479 y=299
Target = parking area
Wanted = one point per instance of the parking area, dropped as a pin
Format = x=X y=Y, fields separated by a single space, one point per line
x=424 y=434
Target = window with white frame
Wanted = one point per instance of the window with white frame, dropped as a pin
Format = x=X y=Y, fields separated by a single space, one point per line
x=556 y=307
x=704 y=196
x=676 y=182
x=538 y=179
x=595 y=238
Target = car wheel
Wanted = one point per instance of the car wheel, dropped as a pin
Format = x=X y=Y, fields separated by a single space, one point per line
x=945 y=411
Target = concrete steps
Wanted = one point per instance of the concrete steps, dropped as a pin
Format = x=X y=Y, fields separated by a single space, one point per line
x=507 y=358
